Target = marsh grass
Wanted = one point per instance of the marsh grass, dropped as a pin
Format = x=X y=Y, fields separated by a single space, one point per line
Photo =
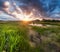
x=13 y=38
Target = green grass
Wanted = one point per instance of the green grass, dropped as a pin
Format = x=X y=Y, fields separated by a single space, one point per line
x=14 y=38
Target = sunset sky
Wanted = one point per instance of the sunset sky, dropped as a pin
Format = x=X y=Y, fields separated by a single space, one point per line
x=48 y=8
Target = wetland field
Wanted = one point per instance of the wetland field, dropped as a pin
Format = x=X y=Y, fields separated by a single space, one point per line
x=22 y=37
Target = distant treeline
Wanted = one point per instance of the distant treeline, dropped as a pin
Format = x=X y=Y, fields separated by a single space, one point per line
x=51 y=20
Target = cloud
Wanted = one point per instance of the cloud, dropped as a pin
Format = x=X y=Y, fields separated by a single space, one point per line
x=48 y=7
x=51 y=6
x=6 y=17
x=44 y=6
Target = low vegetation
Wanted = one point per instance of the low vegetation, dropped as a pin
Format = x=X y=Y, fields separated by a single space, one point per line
x=14 y=38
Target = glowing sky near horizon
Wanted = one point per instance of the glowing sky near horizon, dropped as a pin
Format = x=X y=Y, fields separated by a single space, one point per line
x=50 y=8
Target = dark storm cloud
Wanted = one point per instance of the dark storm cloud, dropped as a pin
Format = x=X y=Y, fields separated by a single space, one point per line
x=48 y=7
x=34 y=4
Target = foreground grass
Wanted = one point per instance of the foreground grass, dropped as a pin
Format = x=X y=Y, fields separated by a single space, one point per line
x=13 y=38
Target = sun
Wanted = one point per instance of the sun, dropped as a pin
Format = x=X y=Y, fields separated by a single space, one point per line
x=22 y=17
x=28 y=17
